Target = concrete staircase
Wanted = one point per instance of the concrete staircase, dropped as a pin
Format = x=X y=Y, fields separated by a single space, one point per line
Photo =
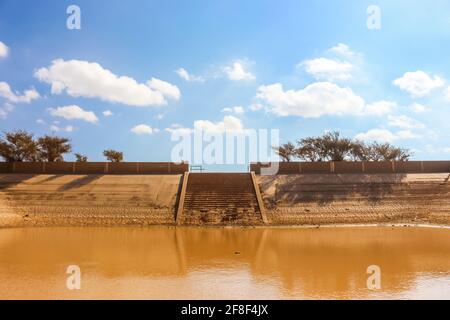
x=219 y=199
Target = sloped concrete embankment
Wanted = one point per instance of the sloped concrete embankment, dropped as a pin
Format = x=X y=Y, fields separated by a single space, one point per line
x=314 y=199
x=94 y=200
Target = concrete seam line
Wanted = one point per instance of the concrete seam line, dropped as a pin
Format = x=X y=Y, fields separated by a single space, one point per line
x=181 y=199
x=262 y=210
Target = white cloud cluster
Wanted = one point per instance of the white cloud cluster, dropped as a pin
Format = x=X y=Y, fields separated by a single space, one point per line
x=178 y=130
x=408 y=129
x=342 y=50
x=15 y=97
x=107 y=113
x=339 y=67
x=168 y=90
x=256 y=107
x=73 y=112
x=419 y=108
x=447 y=93
x=328 y=69
x=4 y=50
x=385 y=135
x=141 y=129
x=419 y=83
x=235 y=109
x=319 y=99
x=237 y=72
x=315 y=100
x=380 y=108
x=404 y=122
x=56 y=128
x=87 y=79
x=5 y=110
x=228 y=124
x=184 y=74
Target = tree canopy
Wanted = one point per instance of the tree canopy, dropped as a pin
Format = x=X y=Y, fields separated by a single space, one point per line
x=113 y=155
x=332 y=147
x=19 y=146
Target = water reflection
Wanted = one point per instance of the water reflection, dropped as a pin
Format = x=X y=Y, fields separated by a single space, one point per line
x=167 y=263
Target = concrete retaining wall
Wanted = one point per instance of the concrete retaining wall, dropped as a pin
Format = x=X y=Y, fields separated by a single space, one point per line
x=87 y=200
x=94 y=167
x=314 y=199
x=357 y=167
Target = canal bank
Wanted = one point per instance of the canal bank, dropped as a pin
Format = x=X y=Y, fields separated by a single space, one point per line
x=289 y=200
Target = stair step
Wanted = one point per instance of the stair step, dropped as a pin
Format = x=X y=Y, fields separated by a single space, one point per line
x=221 y=198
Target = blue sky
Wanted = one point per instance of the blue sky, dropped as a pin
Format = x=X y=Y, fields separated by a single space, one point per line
x=302 y=67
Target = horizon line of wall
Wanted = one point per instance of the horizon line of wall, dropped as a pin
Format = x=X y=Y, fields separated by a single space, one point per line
x=333 y=167
x=94 y=167
x=355 y=167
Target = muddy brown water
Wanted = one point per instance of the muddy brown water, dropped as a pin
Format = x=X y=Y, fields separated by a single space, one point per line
x=221 y=263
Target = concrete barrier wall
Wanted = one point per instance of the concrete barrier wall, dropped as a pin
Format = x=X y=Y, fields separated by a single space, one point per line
x=436 y=166
x=90 y=167
x=379 y=167
x=348 y=167
x=58 y=167
x=94 y=167
x=315 y=167
x=358 y=167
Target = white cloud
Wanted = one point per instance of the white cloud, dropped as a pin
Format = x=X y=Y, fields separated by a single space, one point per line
x=179 y=130
x=328 y=69
x=87 y=79
x=236 y=110
x=74 y=112
x=40 y=121
x=447 y=93
x=256 y=107
x=15 y=97
x=143 y=129
x=4 y=50
x=315 y=100
x=188 y=77
x=228 y=124
x=405 y=122
x=381 y=135
x=418 y=83
x=419 y=108
x=384 y=135
x=380 y=108
x=342 y=50
x=167 y=89
x=107 y=113
x=406 y=134
x=5 y=110
x=55 y=128
x=237 y=71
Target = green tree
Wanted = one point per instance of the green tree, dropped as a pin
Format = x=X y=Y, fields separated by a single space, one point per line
x=53 y=148
x=286 y=151
x=329 y=147
x=113 y=155
x=18 y=146
x=334 y=147
x=388 y=152
x=80 y=158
